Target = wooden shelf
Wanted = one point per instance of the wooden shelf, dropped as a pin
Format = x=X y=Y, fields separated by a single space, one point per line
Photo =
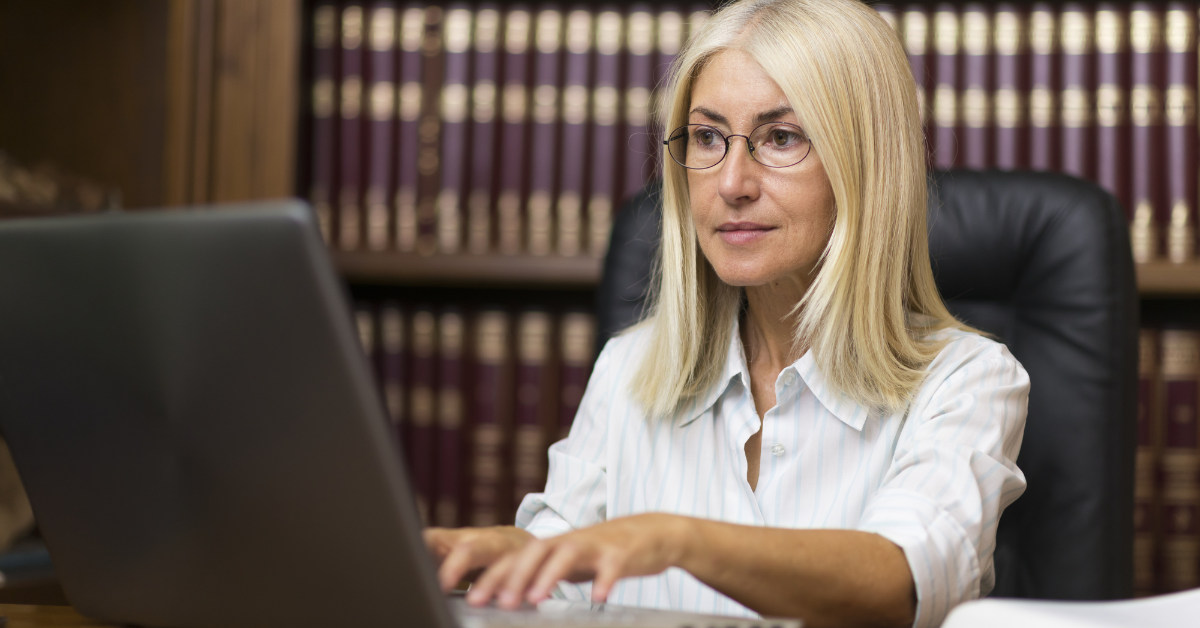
x=1164 y=279
x=526 y=271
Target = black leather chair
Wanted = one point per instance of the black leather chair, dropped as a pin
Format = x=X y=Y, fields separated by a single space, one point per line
x=1043 y=262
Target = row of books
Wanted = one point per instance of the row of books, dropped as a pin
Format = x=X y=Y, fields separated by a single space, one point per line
x=1101 y=90
x=1167 y=477
x=476 y=396
x=480 y=128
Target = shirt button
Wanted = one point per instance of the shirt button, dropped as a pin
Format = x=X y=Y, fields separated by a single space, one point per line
x=777 y=449
x=790 y=378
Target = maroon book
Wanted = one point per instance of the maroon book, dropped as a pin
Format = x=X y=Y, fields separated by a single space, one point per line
x=1145 y=115
x=534 y=403
x=543 y=148
x=639 y=80
x=1112 y=97
x=323 y=193
x=1179 y=557
x=1075 y=118
x=392 y=363
x=412 y=34
x=429 y=131
x=511 y=152
x=422 y=431
x=490 y=420
x=610 y=25
x=572 y=167
x=1181 y=130
x=350 y=145
x=480 y=199
x=455 y=99
x=916 y=44
x=976 y=102
x=947 y=38
x=578 y=337
x=449 y=507
x=1145 y=462
x=1043 y=87
x=1010 y=98
x=381 y=107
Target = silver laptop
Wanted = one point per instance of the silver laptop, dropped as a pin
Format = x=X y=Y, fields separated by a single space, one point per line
x=203 y=445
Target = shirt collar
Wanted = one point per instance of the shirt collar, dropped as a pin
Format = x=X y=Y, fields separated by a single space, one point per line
x=846 y=410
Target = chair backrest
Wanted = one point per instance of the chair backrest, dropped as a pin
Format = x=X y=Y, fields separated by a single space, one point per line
x=1043 y=262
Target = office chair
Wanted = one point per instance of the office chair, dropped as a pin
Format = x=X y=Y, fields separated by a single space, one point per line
x=1043 y=262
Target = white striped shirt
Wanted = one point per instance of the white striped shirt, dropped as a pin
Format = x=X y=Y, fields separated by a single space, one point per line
x=933 y=480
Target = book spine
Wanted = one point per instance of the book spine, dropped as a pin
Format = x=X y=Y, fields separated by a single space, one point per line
x=531 y=413
x=1009 y=101
x=480 y=201
x=1145 y=462
x=977 y=84
x=1043 y=89
x=449 y=508
x=422 y=439
x=574 y=148
x=1180 y=558
x=392 y=363
x=364 y=322
x=454 y=105
x=489 y=503
x=1075 y=118
x=381 y=94
x=578 y=337
x=1181 y=130
x=350 y=146
x=429 y=131
x=947 y=40
x=409 y=110
x=610 y=26
x=323 y=193
x=1145 y=113
x=669 y=41
x=916 y=44
x=1112 y=81
x=639 y=80
x=514 y=108
x=544 y=158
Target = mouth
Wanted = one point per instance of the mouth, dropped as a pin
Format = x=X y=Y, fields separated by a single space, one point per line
x=739 y=233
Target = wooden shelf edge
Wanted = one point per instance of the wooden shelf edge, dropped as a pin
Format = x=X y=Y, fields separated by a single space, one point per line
x=412 y=269
x=1165 y=279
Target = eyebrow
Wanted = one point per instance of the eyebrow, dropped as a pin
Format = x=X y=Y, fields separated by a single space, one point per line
x=765 y=116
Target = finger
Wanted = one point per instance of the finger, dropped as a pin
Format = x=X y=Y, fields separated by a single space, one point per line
x=485 y=586
x=562 y=560
x=456 y=564
x=608 y=571
x=527 y=563
x=438 y=541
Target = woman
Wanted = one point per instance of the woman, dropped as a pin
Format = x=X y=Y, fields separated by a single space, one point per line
x=799 y=428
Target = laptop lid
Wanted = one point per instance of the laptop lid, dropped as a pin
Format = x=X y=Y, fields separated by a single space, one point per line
x=189 y=409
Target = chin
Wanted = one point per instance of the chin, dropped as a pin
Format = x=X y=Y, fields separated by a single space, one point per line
x=743 y=274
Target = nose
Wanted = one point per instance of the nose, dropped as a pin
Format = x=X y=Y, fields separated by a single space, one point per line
x=739 y=174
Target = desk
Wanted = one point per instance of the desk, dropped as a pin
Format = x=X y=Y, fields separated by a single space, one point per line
x=29 y=616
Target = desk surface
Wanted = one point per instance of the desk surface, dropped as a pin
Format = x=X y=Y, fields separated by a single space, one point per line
x=28 y=616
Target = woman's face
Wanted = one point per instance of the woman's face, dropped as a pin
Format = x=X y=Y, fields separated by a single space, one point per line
x=756 y=225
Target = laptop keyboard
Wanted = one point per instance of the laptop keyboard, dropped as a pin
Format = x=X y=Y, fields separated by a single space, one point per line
x=584 y=615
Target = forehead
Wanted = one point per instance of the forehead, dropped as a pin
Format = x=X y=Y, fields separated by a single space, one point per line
x=734 y=84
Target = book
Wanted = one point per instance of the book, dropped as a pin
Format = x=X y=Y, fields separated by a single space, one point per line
x=578 y=337
x=392 y=366
x=451 y=408
x=534 y=397
x=481 y=198
x=1181 y=130
x=669 y=40
x=490 y=419
x=1043 y=87
x=574 y=147
x=381 y=109
x=543 y=147
x=429 y=131
x=610 y=26
x=1145 y=113
x=409 y=110
x=977 y=86
x=1112 y=88
x=350 y=141
x=1145 y=463
x=454 y=107
x=515 y=113
x=364 y=323
x=1180 y=461
x=323 y=191
x=1075 y=100
x=916 y=44
x=637 y=145
x=1009 y=99
x=947 y=37
x=422 y=434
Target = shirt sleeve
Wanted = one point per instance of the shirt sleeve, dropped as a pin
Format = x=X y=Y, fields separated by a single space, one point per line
x=953 y=473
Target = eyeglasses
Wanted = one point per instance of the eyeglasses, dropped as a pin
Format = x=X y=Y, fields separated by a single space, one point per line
x=774 y=144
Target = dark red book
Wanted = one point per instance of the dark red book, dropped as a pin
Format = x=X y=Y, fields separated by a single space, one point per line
x=429 y=131
x=947 y=39
x=1076 y=60
x=455 y=102
x=1010 y=42
x=1145 y=115
x=543 y=148
x=610 y=25
x=412 y=34
x=481 y=198
x=381 y=107
x=422 y=431
x=670 y=40
x=577 y=80
x=639 y=80
x=449 y=507
x=976 y=105
x=1181 y=130
x=490 y=420
x=1179 y=559
x=578 y=337
x=916 y=44
x=1145 y=463
x=323 y=193
x=1043 y=87
x=534 y=403
x=392 y=366
x=1112 y=97
x=350 y=144
x=511 y=152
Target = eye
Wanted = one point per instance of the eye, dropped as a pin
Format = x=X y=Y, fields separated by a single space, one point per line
x=781 y=137
x=705 y=137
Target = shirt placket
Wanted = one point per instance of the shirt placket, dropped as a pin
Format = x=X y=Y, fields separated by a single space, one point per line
x=775 y=433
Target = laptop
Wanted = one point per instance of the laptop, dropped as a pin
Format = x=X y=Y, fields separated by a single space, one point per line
x=185 y=398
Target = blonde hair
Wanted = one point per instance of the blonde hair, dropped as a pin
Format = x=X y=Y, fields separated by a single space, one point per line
x=872 y=305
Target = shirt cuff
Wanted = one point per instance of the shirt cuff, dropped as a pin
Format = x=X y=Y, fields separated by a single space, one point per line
x=943 y=561
x=539 y=520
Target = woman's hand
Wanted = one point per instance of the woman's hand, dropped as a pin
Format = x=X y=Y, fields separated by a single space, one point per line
x=460 y=551
x=641 y=545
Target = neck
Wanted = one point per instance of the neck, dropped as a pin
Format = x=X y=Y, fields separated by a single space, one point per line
x=769 y=326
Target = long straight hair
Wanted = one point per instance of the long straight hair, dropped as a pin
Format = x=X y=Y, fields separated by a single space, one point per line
x=869 y=313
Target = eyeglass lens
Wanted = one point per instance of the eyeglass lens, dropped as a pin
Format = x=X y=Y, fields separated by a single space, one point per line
x=774 y=144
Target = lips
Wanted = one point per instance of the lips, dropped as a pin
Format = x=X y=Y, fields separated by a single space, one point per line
x=738 y=233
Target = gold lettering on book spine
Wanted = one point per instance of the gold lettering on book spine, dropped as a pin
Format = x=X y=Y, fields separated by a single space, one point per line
x=539 y=222
x=483 y=102
x=457 y=31
x=670 y=32
x=945 y=106
x=637 y=106
x=549 y=32
x=1076 y=36
x=412 y=29
x=916 y=32
x=1007 y=33
x=1009 y=108
x=575 y=104
x=410 y=101
x=976 y=108
x=325 y=27
x=406 y=219
x=1110 y=30
x=508 y=208
x=579 y=32
x=545 y=104
x=383 y=101
x=1145 y=31
x=352 y=28
x=323 y=95
x=599 y=224
x=1181 y=106
x=487 y=30
x=377 y=218
x=946 y=32
x=351 y=97
x=1143 y=233
x=604 y=105
x=383 y=29
x=1181 y=27
x=449 y=222
x=1041 y=107
x=1145 y=106
x=1076 y=108
x=1110 y=105
x=640 y=35
x=514 y=103
x=976 y=33
x=1042 y=26
x=479 y=221
x=516 y=32
x=454 y=102
x=608 y=33
x=570 y=221
x=1181 y=232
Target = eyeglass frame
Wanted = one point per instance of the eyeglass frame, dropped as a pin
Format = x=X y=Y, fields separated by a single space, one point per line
x=749 y=145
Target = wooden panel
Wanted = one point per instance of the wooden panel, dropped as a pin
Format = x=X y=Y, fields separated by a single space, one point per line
x=469 y=270
x=1164 y=279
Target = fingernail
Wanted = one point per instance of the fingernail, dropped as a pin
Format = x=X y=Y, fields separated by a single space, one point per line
x=508 y=598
